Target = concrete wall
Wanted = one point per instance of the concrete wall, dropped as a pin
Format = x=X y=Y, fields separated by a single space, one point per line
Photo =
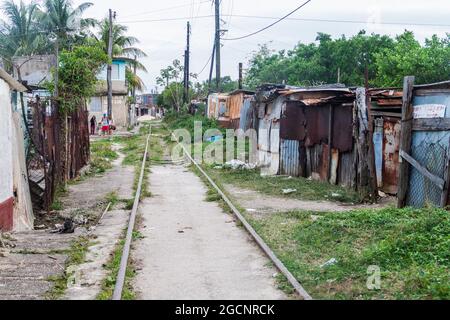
x=35 y=70
x=6 y=165
x=23 y=218
x=118 y=71
x=120 y=111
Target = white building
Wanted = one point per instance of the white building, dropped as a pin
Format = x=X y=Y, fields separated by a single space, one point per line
x=98 y=105
x=16 y=213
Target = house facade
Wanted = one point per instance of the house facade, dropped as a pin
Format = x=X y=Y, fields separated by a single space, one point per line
x=98 y=105
x=16 y=213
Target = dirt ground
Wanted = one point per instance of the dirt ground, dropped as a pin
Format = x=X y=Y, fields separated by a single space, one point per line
x=260 y=204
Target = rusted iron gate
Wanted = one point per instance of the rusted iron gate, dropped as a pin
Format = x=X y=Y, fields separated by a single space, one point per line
x=425 y=145
x=44 y=161
x=59 y=151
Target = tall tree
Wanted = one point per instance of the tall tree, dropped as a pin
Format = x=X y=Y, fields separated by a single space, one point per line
x=20 y=34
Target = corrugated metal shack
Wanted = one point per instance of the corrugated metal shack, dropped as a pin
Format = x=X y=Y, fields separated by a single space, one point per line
x=313 y=132
x=217 y=108
x=239 y=107
x=386 y=107
x=425 y=145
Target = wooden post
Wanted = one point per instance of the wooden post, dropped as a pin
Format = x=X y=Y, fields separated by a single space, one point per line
x=367 y=181
x=240 y=76
x=406 y=139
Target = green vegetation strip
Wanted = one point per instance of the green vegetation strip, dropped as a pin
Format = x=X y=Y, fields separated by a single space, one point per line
x=410 y=247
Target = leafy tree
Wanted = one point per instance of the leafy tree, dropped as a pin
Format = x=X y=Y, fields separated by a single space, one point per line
x=78 y=76
x=430 y=63
x=171 y=78
x=385 y=61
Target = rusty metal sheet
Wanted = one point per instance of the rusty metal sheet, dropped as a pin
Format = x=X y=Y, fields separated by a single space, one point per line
x=290 y=157
x=334 y=166
x=347 y=170
x=343 y=128
x=325 y=163
x=314 y=160
x=234 y=104
x=293 y=122
x=247 y=118
x=391 y=157
x=317 y=124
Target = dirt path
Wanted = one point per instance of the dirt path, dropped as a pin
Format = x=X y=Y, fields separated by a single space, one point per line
x=193 y=250
x=257 y=203
x=33 y=258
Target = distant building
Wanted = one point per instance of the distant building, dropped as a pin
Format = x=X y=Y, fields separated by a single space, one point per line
x=34 y=71
x=147 y=104
x=16 y=213
x=98 y=105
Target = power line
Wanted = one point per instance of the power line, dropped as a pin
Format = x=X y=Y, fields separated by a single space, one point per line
x=296 y=19
x=206 y=64
x=162 y=10
x=270 y=25
x=347 y=21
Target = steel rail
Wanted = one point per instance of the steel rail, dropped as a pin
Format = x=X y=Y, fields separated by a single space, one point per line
x=280 y=266
x=120 y=282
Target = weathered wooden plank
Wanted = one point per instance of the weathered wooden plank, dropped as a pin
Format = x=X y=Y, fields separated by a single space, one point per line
x=430 y=92
x=438 y=124
x=367 y=181
x=406 y=139
x=424 y=171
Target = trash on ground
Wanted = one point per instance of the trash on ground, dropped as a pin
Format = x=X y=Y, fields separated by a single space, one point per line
x=239 y=165
x=336 y=195
x=289 y=191
x=329 y=263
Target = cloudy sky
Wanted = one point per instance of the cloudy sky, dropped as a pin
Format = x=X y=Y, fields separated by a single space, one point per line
x=161 y=25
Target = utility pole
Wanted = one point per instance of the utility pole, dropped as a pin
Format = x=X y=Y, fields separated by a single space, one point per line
x=109 y=72
x=240 y=76
x=218 y=76
x=186 y=64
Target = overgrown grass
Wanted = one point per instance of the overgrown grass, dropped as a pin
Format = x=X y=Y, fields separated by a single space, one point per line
x=185 y=121
x=76 y=256
x=102 y=155
x=274 y=186
x=411 y=247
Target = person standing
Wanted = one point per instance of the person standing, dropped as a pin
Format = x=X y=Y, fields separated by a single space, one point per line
x=105 y=124
x=93 y=125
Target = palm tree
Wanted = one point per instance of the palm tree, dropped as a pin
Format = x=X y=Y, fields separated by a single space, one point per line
x=124 y=46
x=62 y=21
x=20 y=35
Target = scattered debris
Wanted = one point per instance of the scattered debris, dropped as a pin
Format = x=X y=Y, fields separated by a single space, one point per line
x=40 y=227
x=336 y=195
x=239 y=165
x=329 y=263
x=67 y=228
x=382 y=194
x=251 y=210
x=289 y=191
x=315 y=218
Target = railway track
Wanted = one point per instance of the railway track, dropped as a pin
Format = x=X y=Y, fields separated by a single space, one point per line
x=303 y=294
